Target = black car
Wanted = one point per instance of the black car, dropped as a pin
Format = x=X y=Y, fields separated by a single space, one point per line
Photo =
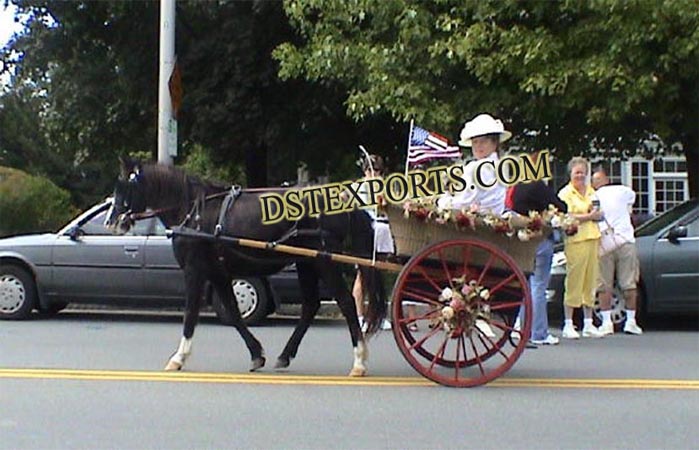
x=84 y=263
x=668 y=253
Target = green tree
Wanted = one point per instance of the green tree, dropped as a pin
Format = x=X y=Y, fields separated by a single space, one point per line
x=31 y=203
x=88 y=66
x=564 y=74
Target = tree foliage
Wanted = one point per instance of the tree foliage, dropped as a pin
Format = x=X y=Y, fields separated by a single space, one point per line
x=564 y=74
x=353 y=72
x=31 y=203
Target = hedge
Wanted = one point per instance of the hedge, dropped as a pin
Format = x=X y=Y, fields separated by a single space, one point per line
x=31 y=204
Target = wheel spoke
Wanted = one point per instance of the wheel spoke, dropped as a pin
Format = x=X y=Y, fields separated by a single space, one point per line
x=486 y=268
x=505 y=305
x=476 y=355
x=417 y=294
x=494 y=345
x=498 y=286
x=440 y=352
x=431 y=314
x=429 y=279
x=445 y=268
x=419 y=343
x=466 y=258
x=459 y=344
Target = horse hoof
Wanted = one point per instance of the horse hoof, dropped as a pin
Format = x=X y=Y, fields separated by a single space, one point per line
x=282 y=363
x=357 y=372
x=257 y=363
x=173 y=366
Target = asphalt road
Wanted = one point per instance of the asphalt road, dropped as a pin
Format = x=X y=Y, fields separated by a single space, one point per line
x=85 y=380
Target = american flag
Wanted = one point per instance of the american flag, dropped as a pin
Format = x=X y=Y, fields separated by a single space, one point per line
x=425 y=145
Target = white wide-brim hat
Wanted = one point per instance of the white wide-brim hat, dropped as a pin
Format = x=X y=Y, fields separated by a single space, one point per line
x=481 y=125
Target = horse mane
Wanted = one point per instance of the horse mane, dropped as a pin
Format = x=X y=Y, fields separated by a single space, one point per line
x=170 y=184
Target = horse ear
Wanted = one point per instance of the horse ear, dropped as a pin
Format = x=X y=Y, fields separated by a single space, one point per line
x=128 y=166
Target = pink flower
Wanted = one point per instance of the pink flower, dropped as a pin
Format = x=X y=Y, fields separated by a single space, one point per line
x=466 y=289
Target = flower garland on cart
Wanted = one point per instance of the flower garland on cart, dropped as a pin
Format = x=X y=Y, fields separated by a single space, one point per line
x=509 y=223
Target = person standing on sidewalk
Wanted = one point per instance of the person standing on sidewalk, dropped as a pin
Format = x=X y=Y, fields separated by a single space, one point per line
x=616 y=202
x=537 y=196
x=581 y=250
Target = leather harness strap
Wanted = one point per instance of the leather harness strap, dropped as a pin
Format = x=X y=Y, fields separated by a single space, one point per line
x=226 y=205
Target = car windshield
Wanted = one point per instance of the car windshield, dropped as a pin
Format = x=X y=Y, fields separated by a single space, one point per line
x=658 y=223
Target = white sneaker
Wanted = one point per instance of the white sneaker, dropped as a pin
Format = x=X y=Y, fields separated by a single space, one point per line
x=591 y=331
x=570 y=333
x=483 y=326
x=385 y=325
x=606 y=328
x=549 y=340
x=632 y=328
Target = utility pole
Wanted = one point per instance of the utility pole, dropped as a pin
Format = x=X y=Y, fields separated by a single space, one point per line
x=167 y=123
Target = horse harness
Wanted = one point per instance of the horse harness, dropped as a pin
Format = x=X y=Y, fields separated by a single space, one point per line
x=228 y=202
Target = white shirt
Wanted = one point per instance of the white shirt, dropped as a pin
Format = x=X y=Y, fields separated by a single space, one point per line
x=383 y=239
x=487 y=198
x=616 y=202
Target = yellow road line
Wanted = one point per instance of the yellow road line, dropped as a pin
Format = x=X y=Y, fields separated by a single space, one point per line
x=286 y=379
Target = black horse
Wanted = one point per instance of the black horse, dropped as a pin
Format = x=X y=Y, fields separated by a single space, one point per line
x=179 y=199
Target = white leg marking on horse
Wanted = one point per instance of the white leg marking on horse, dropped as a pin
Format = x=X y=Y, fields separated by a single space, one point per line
x=183 y=351
x=361 y=354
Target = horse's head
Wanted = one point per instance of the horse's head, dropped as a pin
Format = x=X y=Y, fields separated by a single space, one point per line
x=129 y=197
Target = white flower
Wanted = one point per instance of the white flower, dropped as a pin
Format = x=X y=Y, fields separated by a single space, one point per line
x=485 y=294
x=444 y=203
x=447 y=312
x=556 y=222
x=523 y=235
x=446 y=294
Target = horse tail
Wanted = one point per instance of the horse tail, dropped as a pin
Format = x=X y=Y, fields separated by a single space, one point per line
x=362 y=233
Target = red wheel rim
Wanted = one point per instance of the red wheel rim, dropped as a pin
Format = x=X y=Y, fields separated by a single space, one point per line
x=458 y=351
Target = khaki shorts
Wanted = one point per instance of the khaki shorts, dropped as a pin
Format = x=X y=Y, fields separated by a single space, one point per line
x=622 y=261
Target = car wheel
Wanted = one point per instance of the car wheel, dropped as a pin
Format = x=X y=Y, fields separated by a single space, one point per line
x=618 y=307
x=17 y=293
x=251 y=297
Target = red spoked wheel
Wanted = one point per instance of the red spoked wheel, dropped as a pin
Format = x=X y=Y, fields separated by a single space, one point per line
x=454 y=308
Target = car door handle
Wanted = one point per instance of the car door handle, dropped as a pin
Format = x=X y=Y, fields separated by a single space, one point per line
x=130 y=250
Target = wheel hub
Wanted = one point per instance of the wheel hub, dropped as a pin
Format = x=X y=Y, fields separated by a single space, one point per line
x=246 y=297
x=12 y=294
x=466 y=303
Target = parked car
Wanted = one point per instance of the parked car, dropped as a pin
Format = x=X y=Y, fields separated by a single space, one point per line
x=84 y=263
x=668 y=253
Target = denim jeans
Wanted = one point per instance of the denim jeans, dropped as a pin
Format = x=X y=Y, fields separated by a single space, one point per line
x=538 y=282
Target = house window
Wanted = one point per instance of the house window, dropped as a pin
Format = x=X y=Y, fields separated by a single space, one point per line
x=640 y=183
x=613 y=169
x=668 y=193
x=670 y=183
